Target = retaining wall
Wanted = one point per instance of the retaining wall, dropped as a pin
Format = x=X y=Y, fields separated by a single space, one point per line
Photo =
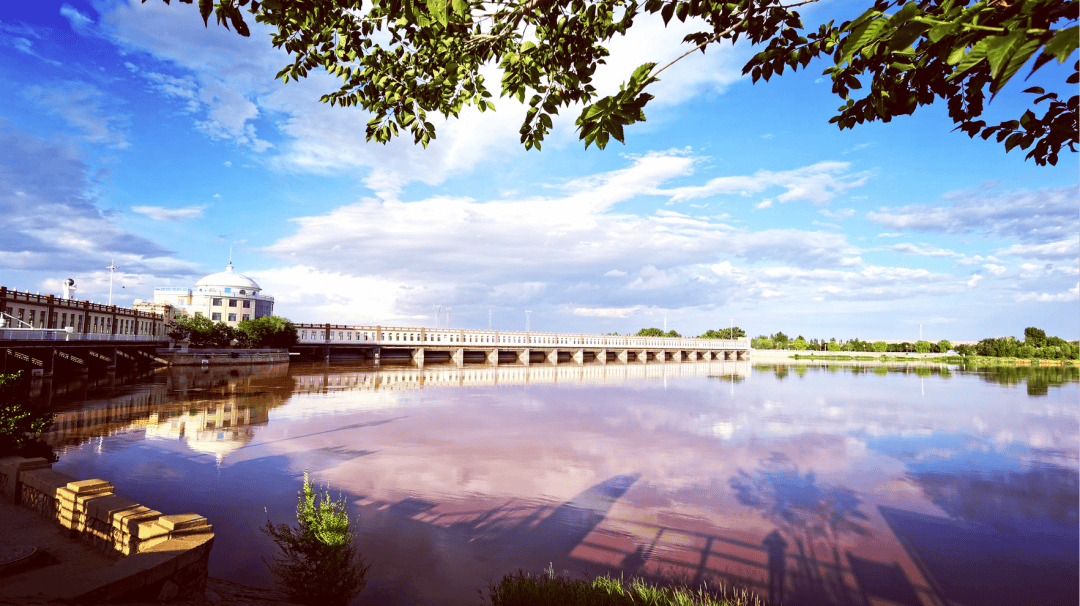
x=159 y=557
x=222 y=357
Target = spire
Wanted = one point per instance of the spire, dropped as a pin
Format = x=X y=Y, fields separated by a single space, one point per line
x=228 y=267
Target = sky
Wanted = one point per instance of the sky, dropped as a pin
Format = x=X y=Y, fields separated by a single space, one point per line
x=132 y=135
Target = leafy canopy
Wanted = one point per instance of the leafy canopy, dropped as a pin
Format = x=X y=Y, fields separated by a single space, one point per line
x=430 y=53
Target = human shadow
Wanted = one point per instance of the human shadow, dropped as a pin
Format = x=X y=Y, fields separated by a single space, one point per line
x=811 y=515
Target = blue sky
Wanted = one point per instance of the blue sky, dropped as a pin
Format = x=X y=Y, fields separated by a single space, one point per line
x=131 y=132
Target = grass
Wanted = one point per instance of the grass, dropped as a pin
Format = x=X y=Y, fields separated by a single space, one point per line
x=976 y=360
x=523 y=589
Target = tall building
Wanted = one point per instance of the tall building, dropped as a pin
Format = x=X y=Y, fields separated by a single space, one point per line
x=226 y=296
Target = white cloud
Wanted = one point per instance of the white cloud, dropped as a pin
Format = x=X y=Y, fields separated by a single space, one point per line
x=829 y=225
x=79 y=22
x=227 y=164
x=1062 y=249
x=618 y=273
x=607 y=312
x=766 y=203
x=974 y=281
x=997 y=270
x=1071 y=295
x=159 y=213
x=889 y=235
x=818 y=183
x=1031 y=217
x=84 y=107
x=844 y=213
x=923 y=250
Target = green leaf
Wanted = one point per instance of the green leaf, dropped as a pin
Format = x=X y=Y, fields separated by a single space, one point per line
x=858 y=39
x=942 y=31
x=206 y=7
x=1064 y=43
x=437 y=10
x=970 y=60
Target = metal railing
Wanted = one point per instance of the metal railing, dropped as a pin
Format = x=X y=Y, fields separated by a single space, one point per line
x=65 y=334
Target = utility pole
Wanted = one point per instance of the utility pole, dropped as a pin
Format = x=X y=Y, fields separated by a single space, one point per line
x=528 y=312
x=448 y=310
x=489 y=319
x=112 y=269
x=438 y=311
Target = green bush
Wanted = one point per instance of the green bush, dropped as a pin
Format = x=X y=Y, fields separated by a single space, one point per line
x=318 y=563
x=880 y=346
x=267 y=331
x=523 y=589
x=21 y=425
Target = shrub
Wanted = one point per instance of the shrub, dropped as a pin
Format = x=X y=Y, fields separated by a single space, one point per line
x=21 y=425
x=318 y=563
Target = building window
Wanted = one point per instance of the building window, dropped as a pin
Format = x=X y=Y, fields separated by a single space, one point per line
x=340 y=336
x=21 y=312
x=303 y=334
x=215 y=317
x=232 y=302
x=247 y=304
x=216 y=302
x=247 y=317
x=232 y=317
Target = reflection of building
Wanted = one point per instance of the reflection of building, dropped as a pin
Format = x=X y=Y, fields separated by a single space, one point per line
x=216 y=430
x=226 y=296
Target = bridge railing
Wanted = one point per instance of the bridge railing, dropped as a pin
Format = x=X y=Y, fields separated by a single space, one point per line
x=61 y=334
x=433 y=337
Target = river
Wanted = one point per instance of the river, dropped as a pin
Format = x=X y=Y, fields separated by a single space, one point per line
x=916 y=484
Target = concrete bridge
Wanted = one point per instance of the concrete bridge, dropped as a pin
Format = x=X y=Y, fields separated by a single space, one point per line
x=46 y=351
x=420 y=345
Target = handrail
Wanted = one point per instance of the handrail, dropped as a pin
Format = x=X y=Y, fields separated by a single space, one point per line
x=62 y=334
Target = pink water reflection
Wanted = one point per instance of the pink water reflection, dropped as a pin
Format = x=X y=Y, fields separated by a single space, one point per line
x=460 y=477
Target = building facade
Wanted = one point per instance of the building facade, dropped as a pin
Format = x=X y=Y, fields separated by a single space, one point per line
x=26 y=310
x=226 y=296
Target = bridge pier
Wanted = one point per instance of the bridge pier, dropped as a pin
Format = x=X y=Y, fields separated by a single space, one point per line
x=493 y=357
x=418 y=357
x=623 y=355
x=553 y=357
x=523 y=356
x=458 y=356
x=579 y=356
x=602 y=356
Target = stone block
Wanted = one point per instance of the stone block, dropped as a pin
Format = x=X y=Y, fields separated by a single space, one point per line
x=86 y=487
x=182 y=521
x=46 y=481
x=11 y=470
x=128 y=520
x=107 y=506
x=148 y=530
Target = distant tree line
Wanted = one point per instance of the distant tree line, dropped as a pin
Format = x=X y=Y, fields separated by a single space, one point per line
x=723 y=333
x=271 y=332
x=1036 y=345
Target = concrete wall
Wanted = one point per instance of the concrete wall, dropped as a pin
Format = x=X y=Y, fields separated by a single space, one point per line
x=222 y=357
x=159 y=557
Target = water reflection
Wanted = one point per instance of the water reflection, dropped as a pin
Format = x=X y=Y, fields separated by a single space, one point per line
x=866 y=474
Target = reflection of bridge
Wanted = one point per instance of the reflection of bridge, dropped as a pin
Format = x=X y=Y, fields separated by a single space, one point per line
x=452 y=345
x=448 y=376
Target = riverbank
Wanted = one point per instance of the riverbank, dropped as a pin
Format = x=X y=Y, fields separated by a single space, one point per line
x=790 y=356
x=222 y=357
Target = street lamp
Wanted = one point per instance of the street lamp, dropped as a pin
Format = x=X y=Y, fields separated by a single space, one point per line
x=112 y=269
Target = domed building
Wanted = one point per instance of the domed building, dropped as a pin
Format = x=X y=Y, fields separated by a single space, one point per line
x=225 y=296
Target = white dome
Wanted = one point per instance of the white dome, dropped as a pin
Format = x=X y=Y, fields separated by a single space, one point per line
x=230 y=279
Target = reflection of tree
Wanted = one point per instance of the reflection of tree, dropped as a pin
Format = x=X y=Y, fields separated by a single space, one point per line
x=1039 y=379
x=800 y=369
x=1016 y=499
x=781 y=372
x=808 y=513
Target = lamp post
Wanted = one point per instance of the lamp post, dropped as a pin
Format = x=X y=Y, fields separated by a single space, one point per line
x=112 y=269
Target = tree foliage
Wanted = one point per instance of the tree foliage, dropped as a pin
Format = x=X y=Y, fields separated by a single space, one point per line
x=268 y=331
x=402 y=60
x=724 y=333
x=20 y=423
x=317 y=562
x=202 y=331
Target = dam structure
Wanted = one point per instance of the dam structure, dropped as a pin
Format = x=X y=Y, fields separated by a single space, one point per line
x=456 y=346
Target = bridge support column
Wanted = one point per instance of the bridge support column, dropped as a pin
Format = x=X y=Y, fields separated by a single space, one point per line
x=623 y=355
x=643 y=356
x=418 y=357
x=458 y=356
x=579 y=356
x=553 y=357
x=493 y=357
x=602 y=356
x=524 y=356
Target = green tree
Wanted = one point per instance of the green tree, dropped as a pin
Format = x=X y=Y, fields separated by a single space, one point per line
x=922 y=346
x=833 y=346
x=799 y=344
x=401 y=60
x=1034 y=336
x=781 y=340
x=268 y=331
x=649 y=332
x=880 y=346
x=762 y=342
x=944 y=346
x=317 y=562
x=21 y=424
x=724 y=333
x=672 y=334
x=965 y=350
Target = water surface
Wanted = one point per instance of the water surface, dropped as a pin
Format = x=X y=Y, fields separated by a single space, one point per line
x=919 y=485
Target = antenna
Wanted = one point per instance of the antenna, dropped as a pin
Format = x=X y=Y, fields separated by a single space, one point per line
x=528 y=312
x=112 y=269
x=489 y=319
x=438 y=312
x=665 y=321
x=448 y=310
x=230 y=252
